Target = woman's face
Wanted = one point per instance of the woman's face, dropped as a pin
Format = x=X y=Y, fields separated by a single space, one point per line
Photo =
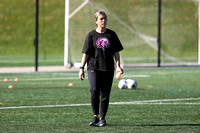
x=101 y=21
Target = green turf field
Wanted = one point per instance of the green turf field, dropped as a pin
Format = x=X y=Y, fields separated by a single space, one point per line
x=167 y=100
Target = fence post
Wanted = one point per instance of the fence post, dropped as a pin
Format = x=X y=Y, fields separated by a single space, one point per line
x=36 y=33
x=159 y=32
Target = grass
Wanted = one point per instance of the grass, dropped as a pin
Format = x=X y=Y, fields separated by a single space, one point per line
x=28 y=60
x=51 y=88
x=17 y=24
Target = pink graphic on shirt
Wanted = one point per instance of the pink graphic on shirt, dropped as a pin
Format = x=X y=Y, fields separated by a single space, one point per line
x=103 y=43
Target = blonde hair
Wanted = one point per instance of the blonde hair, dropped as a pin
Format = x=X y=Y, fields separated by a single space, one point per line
x=98 y=13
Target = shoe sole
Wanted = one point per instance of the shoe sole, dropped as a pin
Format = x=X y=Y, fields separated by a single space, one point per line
x=100 y=124
x=92 y=124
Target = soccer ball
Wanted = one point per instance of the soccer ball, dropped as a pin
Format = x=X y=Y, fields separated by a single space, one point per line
x=122 y=84
x=131 y=84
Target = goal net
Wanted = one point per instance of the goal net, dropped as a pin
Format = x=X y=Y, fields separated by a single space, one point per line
x=136 y=24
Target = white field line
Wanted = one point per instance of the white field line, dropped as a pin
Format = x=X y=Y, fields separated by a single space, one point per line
x=71 y=78
x=149 y=102
x=138 y=76
x=167 y=103
x=46 y=79
x=169 y=100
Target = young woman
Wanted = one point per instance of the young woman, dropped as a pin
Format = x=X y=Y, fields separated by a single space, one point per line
x=100 y=48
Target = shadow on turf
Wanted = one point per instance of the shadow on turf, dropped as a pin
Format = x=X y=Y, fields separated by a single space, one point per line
x=146 y=125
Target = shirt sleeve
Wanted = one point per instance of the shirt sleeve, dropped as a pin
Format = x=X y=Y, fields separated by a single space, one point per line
x=86 y=46
x=117 y=44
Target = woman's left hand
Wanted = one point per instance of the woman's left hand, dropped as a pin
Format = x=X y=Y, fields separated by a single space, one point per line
x=119 y=69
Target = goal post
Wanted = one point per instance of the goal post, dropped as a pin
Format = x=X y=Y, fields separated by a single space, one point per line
x=68 y=15
x=66 y=38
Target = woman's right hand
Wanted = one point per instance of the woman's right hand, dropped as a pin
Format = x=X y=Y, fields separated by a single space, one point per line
x=81 y=74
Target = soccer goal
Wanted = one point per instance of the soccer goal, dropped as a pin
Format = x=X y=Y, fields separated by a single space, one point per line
x=136 y=23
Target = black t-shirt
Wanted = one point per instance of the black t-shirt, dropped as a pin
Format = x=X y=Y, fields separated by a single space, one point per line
x=101 y=47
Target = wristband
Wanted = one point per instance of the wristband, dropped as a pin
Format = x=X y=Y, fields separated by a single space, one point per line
x=81 y=67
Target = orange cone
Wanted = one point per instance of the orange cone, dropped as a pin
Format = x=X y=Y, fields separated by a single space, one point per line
x=10 y=86
x=70 y=84
x=16 y=79
x=6 y=79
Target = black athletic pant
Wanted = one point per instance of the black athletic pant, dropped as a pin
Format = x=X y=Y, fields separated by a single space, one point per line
x=100 y=85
